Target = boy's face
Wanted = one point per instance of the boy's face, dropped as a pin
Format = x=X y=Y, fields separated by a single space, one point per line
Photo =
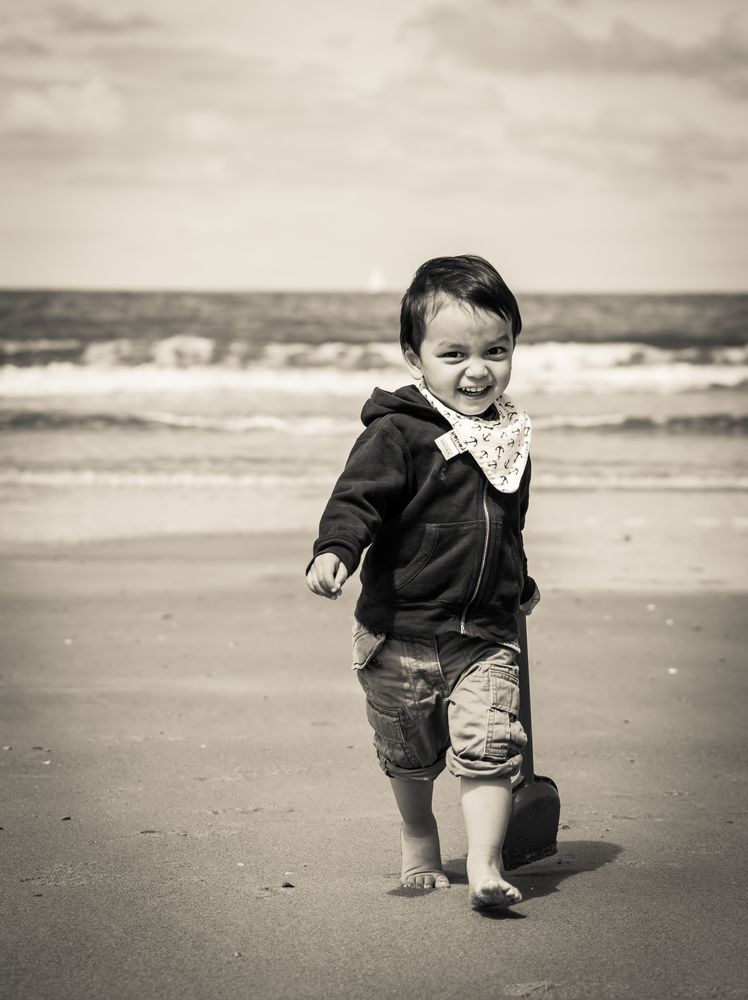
x=465 y=357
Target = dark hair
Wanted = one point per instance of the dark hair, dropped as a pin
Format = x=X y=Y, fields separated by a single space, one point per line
x=466 y=278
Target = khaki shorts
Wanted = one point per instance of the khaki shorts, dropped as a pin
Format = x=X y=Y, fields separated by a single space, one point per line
x=446 y=701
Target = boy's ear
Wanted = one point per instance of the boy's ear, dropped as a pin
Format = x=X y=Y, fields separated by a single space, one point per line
x=412 y=362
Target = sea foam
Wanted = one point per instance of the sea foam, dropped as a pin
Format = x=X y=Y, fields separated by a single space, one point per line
x=294 y=484
x=352 y=370
x=17 y=418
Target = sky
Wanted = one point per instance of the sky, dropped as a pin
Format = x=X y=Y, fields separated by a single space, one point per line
x=580 y=145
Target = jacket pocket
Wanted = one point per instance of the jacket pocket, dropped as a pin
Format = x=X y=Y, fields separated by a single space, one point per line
x=449 y=572
x=443 y=566
x=505 y=576
x=402 y=577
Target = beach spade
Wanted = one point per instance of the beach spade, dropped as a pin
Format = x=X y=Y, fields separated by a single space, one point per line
x=533 y=825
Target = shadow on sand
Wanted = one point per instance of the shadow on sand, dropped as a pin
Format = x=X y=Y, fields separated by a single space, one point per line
x=541 y=878
x=573 y=857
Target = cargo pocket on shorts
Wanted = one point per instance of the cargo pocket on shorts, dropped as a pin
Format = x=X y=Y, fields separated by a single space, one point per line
x=366 y=645
x=389 y=736
x=505 y=737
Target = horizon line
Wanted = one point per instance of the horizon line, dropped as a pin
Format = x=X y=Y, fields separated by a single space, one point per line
x=324 y=290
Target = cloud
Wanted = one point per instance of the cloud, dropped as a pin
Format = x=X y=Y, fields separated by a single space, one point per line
x=87 y=108
x=507 y=37
x=634 y=148
x=208 y=128
x=514 y=103
x=83 y=20
x=18 y=45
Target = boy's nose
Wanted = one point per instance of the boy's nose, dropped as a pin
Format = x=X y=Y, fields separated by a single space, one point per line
x=477 y=369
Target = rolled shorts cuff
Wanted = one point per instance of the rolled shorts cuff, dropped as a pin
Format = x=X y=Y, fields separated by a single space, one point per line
x=464 y=767
x=413 y=773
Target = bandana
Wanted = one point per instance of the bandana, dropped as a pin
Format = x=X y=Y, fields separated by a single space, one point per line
x=499 y=444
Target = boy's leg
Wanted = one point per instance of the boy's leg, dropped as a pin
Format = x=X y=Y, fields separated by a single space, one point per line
x=486 y=806
x=486 y=745
x=406 y=707
x=422 y=863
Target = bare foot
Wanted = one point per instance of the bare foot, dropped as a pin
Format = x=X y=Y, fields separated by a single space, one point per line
x=422 y=863
x=488 y=887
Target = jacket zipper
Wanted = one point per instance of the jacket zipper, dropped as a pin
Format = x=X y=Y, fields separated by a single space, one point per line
x=484 y=556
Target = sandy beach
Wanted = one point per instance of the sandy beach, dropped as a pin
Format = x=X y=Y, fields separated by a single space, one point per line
x=222 y=224
x=182 y=736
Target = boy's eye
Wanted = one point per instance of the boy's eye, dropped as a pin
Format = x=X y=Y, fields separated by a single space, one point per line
x=495 y=351
x=451 y=354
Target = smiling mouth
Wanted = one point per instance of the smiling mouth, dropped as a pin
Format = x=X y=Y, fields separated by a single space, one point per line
x=471 y=391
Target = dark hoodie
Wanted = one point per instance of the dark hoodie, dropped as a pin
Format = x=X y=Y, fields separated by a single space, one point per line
x=446 y=549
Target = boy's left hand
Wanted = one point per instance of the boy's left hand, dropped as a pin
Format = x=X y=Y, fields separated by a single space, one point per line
x=527 y=607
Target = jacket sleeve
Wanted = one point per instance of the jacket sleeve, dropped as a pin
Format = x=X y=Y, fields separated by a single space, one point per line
x=528 y=588
x=369 y=489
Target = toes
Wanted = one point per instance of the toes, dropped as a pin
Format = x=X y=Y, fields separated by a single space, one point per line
x=495 y=894
x=425 y=880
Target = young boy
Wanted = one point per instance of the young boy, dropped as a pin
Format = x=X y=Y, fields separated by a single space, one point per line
x=437 y=485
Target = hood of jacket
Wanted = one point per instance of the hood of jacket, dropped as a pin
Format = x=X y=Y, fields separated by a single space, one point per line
x=406 y=400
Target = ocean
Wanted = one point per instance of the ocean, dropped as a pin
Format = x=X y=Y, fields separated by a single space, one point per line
x=261 y=392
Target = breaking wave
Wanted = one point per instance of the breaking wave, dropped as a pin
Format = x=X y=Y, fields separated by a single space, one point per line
x=186 y=479
x=29 y=419
x=188 y=364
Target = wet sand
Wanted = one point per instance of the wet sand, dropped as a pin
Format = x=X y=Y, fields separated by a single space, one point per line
x=185 y=736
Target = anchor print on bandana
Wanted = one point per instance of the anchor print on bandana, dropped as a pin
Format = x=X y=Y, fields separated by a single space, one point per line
x=500 y=444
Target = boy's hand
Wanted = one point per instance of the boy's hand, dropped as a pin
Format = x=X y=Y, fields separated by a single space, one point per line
x=527 y=607
x=326 y=576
